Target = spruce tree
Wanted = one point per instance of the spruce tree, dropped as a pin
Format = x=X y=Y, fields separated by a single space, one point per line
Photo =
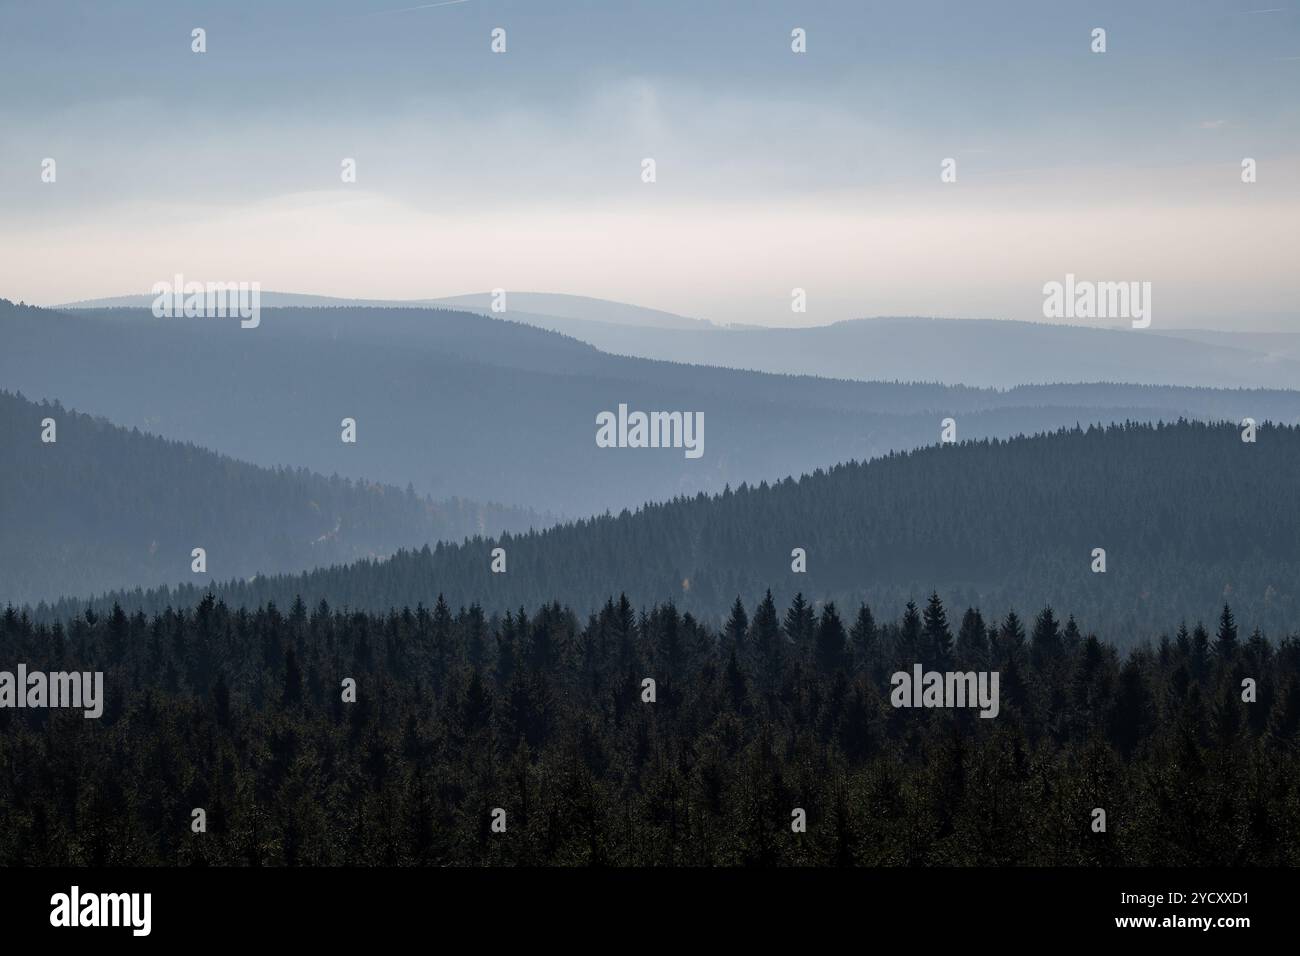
x=766 y=643
x=800 y=620
x=938 y=637
x=830 y=640
x=863 y=637
x=909 y=649
x=737 y=624
x=972 y=648
x=1225 y=644
x=1045 y=643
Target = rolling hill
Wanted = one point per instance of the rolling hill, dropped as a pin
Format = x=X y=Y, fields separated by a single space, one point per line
x=1189 y=515
x=105 y=507
x=462 y=405
x=992 y=353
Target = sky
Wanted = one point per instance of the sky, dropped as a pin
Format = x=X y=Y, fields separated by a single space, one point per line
x=774 y=170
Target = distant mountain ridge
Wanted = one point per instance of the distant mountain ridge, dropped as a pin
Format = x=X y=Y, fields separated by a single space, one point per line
x=998 y=353
x=465 y=406
x=542 y=305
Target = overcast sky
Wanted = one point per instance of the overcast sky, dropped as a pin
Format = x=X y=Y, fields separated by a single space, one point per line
x=522 y=170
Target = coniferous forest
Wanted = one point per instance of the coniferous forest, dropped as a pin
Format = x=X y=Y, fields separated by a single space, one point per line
x=544 y=715
x=1189 y=516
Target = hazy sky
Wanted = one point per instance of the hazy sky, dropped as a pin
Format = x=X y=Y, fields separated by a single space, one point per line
x=774 y=170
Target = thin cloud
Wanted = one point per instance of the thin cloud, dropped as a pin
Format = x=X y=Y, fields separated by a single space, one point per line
x=423 y=6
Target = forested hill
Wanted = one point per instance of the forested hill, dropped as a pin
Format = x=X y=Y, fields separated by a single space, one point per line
x=1189 y=515
x=105 y=507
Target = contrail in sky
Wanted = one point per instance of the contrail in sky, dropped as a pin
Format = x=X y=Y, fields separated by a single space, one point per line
x=423 y=6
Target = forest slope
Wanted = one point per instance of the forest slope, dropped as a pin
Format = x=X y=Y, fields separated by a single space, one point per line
x=1189 y=516
x=107 y=507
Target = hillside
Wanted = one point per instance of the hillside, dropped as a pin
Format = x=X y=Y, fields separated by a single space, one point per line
x=981 y=352
x=105 y=507
x=462 y=405
x=1189 y=516
x=990 y=353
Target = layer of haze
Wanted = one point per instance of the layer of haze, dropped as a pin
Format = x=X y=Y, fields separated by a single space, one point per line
x=775 y=170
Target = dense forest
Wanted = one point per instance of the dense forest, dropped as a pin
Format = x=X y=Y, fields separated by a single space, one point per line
x=1189 y=515
x=240 y=713
x=105 y=507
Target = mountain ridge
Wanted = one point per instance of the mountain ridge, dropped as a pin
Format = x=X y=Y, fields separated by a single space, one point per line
x=994 y=351
x=484 y=409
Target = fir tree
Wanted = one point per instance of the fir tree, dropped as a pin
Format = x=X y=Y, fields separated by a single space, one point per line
x=938 y=637
x=1225 y=645
x=831 y=641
